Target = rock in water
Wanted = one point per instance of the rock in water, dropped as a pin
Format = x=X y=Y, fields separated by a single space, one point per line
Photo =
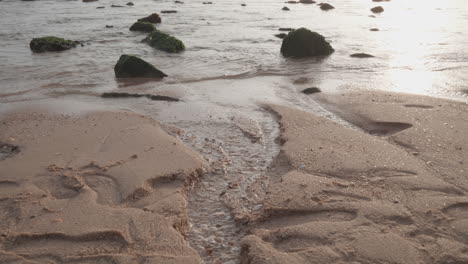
x=132 y=95
x=311 y=90
x=305 y=43
x=51 y=44
x=281 y=35
x=307 y=1
x=130 y=4
x=326 y=6
x=153 y=18
x=285 y=8
x=130 y=66
x=361 y=55
x=142 y=27
x=165 y=42
x=377 y=9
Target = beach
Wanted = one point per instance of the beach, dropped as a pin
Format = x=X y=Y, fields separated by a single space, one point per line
x=189 y=132
x=112 y=186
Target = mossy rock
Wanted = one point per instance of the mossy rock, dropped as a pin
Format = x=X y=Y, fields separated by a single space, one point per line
x=143 y=27
x=165 y=42
x=51 y=44
x=130 y=66
x=305 y=43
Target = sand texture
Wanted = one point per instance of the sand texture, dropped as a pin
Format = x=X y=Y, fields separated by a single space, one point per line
x=100 y=187
x=392 y=189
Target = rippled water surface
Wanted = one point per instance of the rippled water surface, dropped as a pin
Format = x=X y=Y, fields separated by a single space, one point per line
x=420 y=48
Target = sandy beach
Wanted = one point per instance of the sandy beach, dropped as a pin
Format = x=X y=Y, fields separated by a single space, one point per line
x=390 y=190
x=102 y=187
x=111 y=187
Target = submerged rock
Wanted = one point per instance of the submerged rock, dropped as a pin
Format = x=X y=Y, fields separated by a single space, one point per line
x=326 y=6
x=130 y=66
x=87 y=1
x=377 y=9
x=165 y=42
x=311 y=90
x=169 y=11
x=243 y=5
x=374 y=29
x=153 y=18
x=285 y=8
x=307 y=1
x=304 y=43
x=7 y=150
x=117 y=6
x=100 y=7
x=142 y=27
x=130 y=4
x=178 y=2
x=131 y=95
x=285 y=29
x=291 y=2
x=51 y=44
x=361 y=55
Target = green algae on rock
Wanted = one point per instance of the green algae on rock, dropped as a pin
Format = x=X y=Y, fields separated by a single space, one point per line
x=305 y=43
x=51 y=43
x=142 y=27
x=130 y=66
x=165 y=42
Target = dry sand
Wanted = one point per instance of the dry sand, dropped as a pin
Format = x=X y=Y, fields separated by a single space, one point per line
x=393 y=190
x=96 y=188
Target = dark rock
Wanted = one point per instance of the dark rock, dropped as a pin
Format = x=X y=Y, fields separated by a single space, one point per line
x=286 y=29
x=153 y=18
x=361 y=55
x=311 y=90
x=117 y=6
x=87 y=1
x=109 y=26
x=168 y=11
x=307 y=1
x=100 y=7
x=326 y=6
x=130 y=66
x=304 y=43
x=292 y=2
x=178 y=2
x=149 y=96
x=165 y=42
x=281 y=35
x=243 y=5
x=130 y=4
x=374 y=29
x=8 y=150
x=285 y=8
x=377 y=9
x=142 y=27
x=51 y=44
x=207 y=3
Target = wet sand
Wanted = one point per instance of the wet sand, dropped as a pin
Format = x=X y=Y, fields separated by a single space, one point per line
x=391 y=190
x=102 y=187
x=111 y=187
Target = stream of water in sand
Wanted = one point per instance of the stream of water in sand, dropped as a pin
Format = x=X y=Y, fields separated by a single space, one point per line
x=231 y=65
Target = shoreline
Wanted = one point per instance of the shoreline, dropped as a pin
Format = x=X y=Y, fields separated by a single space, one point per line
x=377 y=193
